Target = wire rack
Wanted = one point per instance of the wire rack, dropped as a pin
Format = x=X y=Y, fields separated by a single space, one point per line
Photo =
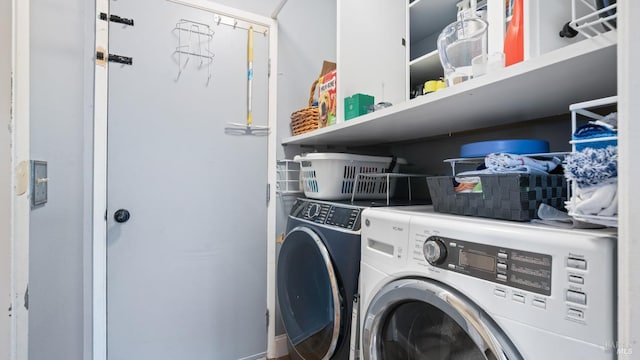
x=194 y=40
x=288 y=182
x=579 y=111
x=598 y=20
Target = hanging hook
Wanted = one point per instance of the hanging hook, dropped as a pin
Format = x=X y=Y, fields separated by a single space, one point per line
x=264 y=33
x=235 y=22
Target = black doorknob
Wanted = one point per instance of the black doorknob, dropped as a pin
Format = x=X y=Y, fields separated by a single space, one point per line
x=121 y=215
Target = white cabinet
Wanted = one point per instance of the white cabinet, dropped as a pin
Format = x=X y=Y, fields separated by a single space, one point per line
x=371 y=51
x=536 y=88
x=387 y=48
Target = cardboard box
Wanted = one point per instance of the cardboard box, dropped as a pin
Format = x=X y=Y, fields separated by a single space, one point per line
x=327 y=99
x=357 y=105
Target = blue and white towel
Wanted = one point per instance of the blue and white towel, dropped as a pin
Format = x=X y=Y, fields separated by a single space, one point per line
x=592 y=166
x=595 y=172
x=505 y=163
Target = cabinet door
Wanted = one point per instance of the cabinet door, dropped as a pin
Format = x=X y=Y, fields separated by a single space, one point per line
x=372 y=56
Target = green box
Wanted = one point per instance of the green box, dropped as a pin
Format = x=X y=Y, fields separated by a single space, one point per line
x=356 y=105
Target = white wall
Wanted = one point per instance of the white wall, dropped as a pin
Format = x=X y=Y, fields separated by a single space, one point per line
x=307 y=36
x=5 y=177
x=61 y=56
x=260 y=7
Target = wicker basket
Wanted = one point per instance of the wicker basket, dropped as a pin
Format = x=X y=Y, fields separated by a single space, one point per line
x=306 y=119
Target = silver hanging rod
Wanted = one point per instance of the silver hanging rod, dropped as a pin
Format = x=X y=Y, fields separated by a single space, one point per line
x=194 y=27
x=237 y=23
x=261 y=27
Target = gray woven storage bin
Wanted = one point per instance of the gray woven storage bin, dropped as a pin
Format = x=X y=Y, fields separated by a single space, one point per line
x=504 y=196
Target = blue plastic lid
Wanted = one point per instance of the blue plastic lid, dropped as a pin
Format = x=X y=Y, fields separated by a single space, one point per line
x=514 y=146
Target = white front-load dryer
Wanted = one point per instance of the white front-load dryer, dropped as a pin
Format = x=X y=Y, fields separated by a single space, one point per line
x=436 y=286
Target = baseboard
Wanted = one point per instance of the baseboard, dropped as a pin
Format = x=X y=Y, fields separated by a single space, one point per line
x=281 y=348
x=255 y=357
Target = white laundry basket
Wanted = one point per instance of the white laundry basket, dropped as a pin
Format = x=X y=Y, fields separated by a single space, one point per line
x=332 y=176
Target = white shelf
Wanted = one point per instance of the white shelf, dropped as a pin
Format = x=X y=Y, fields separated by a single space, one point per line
x=427 y=67
x=539 y=87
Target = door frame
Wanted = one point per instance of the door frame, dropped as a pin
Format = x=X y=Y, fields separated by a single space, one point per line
x=99 y=187
x=14 y=237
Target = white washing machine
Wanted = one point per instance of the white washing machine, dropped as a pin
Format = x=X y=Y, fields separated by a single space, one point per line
x=437 y=286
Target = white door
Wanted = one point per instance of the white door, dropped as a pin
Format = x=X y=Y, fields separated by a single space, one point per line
x=186 y=270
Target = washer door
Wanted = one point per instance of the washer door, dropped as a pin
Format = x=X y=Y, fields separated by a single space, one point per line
x=422 y=319
x=308 y=294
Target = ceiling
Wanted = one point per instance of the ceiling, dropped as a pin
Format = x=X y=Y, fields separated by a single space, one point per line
x=260 y=7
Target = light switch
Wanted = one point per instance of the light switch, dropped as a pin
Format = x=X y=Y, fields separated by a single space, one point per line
x=39 y=182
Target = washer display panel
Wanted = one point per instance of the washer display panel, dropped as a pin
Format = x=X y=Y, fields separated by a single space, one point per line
x=308 y=295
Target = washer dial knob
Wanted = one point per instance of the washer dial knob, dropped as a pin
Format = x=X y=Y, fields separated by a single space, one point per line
x=434 y=250
x=313 y=211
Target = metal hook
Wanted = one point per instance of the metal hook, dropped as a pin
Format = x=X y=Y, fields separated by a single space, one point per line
x=264 y=33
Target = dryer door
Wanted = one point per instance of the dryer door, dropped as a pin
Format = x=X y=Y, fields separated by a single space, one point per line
x=424 y=319
x=308 y=294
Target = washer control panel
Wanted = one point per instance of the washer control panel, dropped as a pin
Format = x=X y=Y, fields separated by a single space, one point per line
x=326 y=213
x=510 y=267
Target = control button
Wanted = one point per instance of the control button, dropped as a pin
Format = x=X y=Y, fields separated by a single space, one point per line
x=518 y=298
x=435 y=252
x=576 y=279
x=451 y=266
x=502 y=266
x=502 y=255
x=577 y=297
x=577 y=263
x=499 y=292
x=452 y=244
x=501 y=277
x=575 y=313
x=539 y=303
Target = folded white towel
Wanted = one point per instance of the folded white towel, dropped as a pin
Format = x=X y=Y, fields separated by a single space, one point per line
x=600 y=200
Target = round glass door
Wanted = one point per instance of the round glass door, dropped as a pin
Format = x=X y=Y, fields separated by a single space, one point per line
x=308 y=295
x=417 y=330
x=419 y=319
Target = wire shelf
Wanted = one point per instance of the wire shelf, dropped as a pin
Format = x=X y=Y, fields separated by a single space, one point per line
x=596 y=21
x=584 y=111
x=288 y=177
x=195 y=43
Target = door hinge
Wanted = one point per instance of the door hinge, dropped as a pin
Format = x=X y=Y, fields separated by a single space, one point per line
x=100 y=57
x=116 y=19
x=268 y=193
x=267 y=317
x=269 y=68
x=126 y=60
